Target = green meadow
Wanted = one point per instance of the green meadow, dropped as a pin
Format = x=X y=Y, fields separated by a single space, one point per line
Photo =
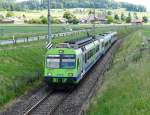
x=7 y=31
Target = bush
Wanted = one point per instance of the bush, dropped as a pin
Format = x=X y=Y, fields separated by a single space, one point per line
x=10 y=14
x=68 y=15
x=71 y=18
x=55 y=21
x=128 y=19
x=34 y=21
x=116 y=17
x=109 y=13
x=44 y=20
x=1 y=17
x=123 y=18
x=145 y=19
x=110 y=19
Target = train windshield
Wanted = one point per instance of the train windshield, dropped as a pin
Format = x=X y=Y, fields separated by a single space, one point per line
x=61 y=61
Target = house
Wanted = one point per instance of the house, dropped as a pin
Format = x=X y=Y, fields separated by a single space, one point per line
x=103 y=20
x=12 y=20
x=137 y=21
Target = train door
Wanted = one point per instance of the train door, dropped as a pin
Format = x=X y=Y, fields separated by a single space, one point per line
x=83 y=59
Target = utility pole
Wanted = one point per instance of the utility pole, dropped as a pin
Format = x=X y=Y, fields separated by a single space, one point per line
x=49 y=23
x=94 y=17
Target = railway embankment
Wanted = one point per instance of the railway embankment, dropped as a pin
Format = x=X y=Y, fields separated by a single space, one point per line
x=126 y=86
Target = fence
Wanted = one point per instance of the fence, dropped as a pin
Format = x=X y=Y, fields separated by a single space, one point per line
x=36 y=38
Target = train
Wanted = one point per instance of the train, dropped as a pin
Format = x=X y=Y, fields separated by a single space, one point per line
x=67 y=63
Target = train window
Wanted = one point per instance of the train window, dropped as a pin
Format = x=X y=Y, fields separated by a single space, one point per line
x=53 y=63
x=78 y=64
x=97 y=48
x=85 y=57
x=103 y=44
x=61 y=61
x=68 y=63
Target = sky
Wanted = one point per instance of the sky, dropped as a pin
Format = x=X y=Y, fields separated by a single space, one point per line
x=141 y=2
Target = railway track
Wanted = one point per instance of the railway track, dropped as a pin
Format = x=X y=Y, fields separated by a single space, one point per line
x=68 y=102
x=37 y=104
x=49 y=103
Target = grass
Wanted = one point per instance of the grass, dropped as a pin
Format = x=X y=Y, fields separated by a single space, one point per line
x=126 y=88
x=21 y=31
x=22 y=65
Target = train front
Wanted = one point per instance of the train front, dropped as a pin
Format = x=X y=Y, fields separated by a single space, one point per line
x=60 y=66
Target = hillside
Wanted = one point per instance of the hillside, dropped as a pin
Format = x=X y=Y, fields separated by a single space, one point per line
x=126 y=85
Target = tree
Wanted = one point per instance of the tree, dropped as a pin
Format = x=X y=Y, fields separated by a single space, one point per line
x=75 y=20
x=1 y=17
x=129 y=18
x=123 y=18
x=91 y=12
x=44 y=20
x=109 y=13
x=135 y=16
x=71 y=18
x=67 y=15
x=110 y=19
x=24 y=16
x=145 y=19
x=10 y=14
x=116 y=17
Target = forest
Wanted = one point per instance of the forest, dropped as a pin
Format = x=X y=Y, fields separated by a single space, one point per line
x=12 y=5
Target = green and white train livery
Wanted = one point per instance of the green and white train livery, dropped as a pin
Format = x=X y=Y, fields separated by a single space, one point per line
x=67 y=63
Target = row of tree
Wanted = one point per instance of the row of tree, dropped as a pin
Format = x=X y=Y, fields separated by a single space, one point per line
x=42 y=4
x=124 y=18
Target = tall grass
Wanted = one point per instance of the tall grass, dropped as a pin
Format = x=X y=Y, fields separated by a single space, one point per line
x=126 y=88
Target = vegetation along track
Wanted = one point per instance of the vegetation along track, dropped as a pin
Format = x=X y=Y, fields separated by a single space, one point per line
x=66 y=102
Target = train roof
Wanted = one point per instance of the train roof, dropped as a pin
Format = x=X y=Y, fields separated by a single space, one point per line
x=83 y=42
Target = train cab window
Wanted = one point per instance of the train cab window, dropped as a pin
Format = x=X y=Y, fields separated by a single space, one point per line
x=63 y=62
x=68 y=62
x=53 y=61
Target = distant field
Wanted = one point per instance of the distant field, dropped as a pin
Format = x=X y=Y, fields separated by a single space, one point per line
x=78 y=12
x=8 y=31
x=126 y=88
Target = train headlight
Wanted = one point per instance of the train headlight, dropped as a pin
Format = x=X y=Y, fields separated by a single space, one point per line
x=61 y=51
x=70 y=74
x=49 y=74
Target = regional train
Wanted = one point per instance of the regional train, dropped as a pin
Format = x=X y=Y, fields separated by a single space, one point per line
x=67 y=63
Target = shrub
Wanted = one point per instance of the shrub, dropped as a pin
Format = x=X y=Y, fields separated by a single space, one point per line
x=55 y=21
x=145 y=19
x=110 y=19
x=128 y=19
x=10 y=14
